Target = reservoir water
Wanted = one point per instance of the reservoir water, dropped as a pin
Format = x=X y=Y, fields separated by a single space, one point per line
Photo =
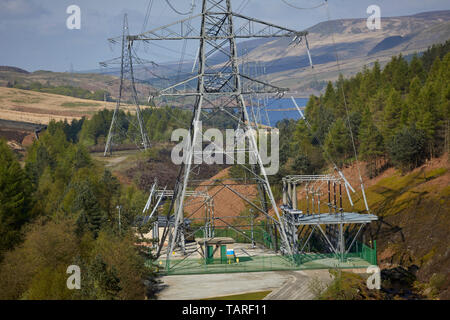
x=275 y=110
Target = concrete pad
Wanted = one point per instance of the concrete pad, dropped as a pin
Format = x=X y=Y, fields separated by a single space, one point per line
x=201 y=286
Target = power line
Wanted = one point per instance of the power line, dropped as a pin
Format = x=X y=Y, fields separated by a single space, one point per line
x=179 y=12
x=242 y=6
x=146 y=18
x=302 y=8
x=347 y=112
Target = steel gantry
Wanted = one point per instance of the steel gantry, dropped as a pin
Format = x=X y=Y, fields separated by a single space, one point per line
x=156 y=201
x=302 y=223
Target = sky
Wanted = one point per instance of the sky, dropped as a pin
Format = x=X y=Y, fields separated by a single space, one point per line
x=35 y=36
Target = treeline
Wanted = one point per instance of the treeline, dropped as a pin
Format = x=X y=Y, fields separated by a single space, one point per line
x=398 y=116
x=61 y=209
x=159 y=124
x=70 y=91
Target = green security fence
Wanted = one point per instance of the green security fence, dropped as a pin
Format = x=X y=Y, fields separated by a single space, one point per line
x=361 y=256
x=258 y=234
x=367 y=253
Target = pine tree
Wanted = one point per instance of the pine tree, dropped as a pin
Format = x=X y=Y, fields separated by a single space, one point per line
x=109 y=192
x=395 y=74
x=320 y=118
x=329 y=97
x=413 y=101
x=91 y=217
x=338 y=142
x=102 y=281
x=428 y=119
x=392 y=114
x=407 y=148
x=371 y=146
x=341 y=88
x=416 y=69
x=15 y=198
x=444 y=81
x=376 y=74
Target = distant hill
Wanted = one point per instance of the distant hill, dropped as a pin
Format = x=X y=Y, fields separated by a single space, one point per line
x=13 y=69
x=89 y=81
x=387 y=43
x=284 y=65
x=39 y=108
x=356 y=46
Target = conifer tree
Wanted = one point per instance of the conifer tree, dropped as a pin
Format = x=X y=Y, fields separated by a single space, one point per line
x=416 y=69
x=392 y=114
x=338 y=142
x=407 y=148
x=15 y=198
x=91 y=217
x=413 y=100
x=371 y=146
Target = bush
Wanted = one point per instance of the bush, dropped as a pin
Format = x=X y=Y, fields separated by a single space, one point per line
x=407 y=148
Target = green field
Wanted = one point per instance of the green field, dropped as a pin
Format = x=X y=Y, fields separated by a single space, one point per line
x=79 y=104
x=259 y=295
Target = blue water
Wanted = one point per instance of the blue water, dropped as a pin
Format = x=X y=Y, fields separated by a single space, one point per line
x=275 y=116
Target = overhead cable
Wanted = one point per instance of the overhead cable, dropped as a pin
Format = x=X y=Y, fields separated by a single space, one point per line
x=302 y=8
x=179 y=12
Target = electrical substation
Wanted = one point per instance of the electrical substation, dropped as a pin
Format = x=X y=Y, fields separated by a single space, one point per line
x=313 y=226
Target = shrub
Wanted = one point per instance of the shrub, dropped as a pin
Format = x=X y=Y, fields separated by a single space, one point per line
x=407 y=148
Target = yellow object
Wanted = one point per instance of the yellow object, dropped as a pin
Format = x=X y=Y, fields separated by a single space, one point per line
x=237 y=260
x=173 y=253
x=160 y=263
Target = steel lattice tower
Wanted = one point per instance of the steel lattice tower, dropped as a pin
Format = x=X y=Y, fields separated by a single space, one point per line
x=127 y=83
x=220 y=87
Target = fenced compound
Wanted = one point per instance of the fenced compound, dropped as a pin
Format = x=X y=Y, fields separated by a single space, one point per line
x=361 y=257
x=245 y=234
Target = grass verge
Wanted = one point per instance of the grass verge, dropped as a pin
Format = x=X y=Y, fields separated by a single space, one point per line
x=259 y=295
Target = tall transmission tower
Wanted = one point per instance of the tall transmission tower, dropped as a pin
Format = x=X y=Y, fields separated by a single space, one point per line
x=220 y=87
x=127 y=84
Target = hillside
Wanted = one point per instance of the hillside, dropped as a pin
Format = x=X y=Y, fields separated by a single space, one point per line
x=227 y=205
x=40 y=108
x=89 y=81
x=412 y=231
x=356 y=46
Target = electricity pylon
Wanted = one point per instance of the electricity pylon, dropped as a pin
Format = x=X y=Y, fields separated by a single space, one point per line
x=127 y=83
x=220 y=87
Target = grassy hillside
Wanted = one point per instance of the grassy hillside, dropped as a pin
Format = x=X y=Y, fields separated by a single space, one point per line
x=89 y=81
x=411 y=234
x=38 y=107
x=414 y=220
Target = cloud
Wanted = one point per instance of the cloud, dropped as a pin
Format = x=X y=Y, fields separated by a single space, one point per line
x=20 y=9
